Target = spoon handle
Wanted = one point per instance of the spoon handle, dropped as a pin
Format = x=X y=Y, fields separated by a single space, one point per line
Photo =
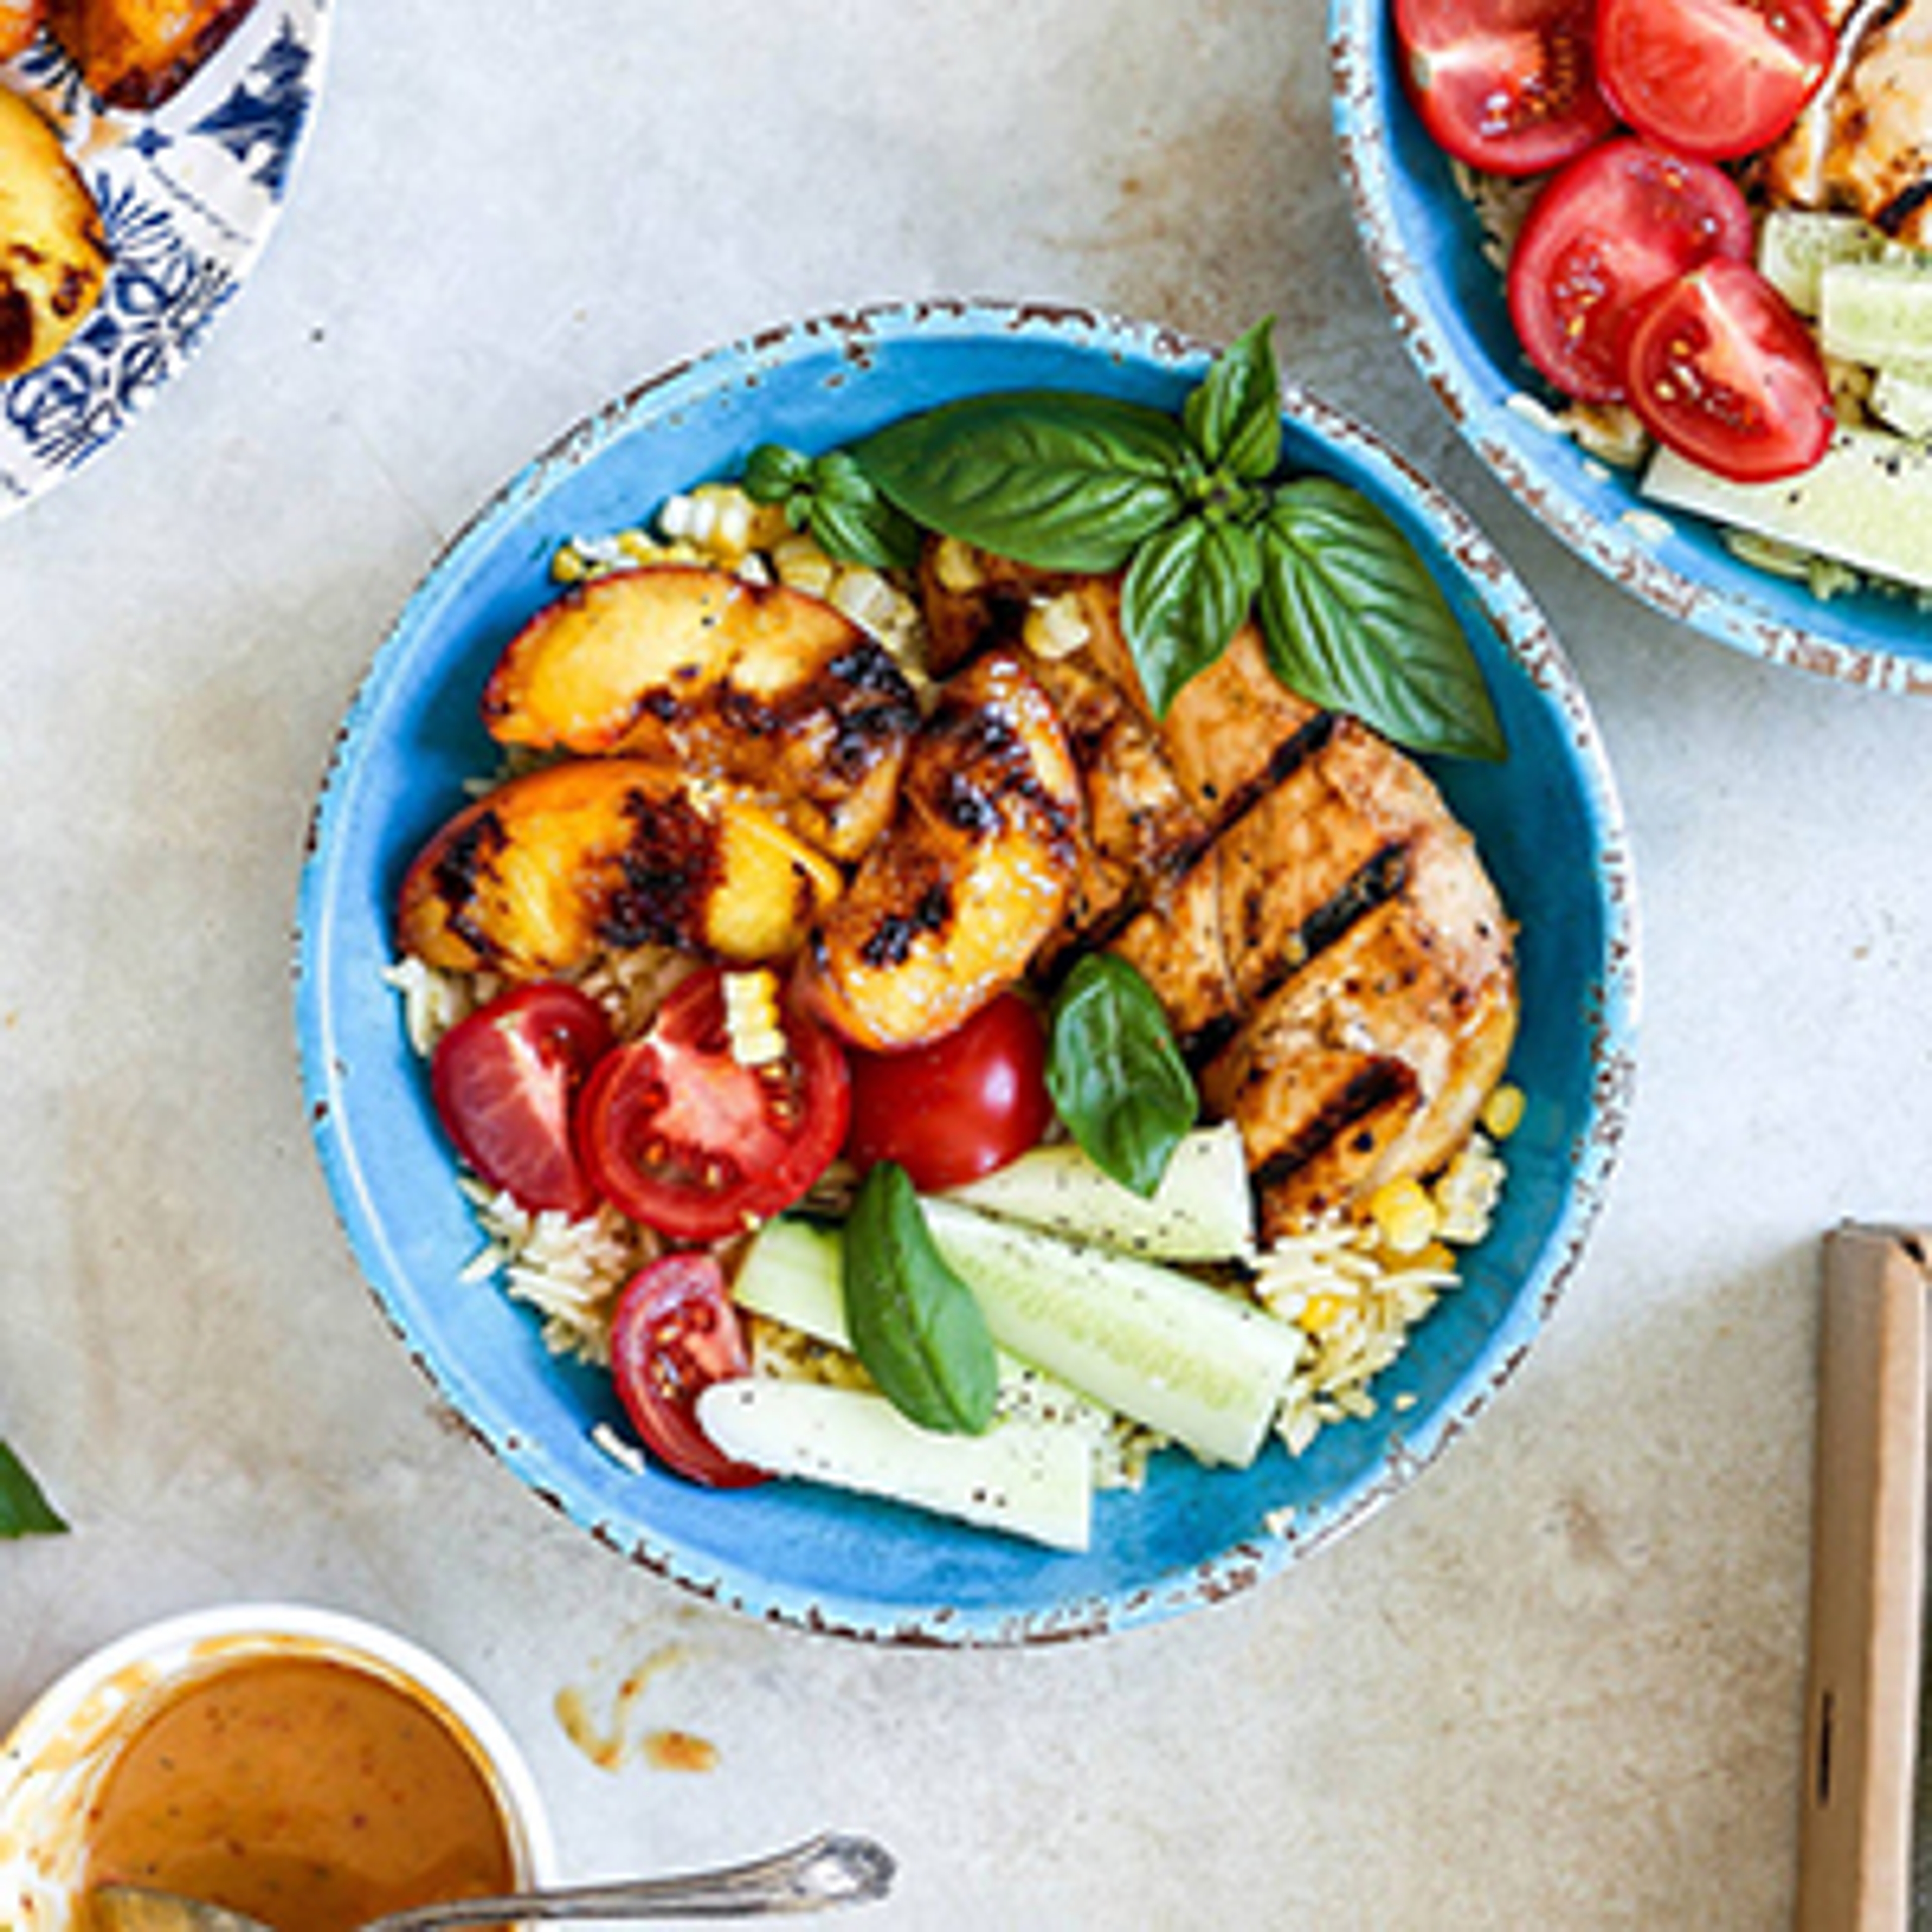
x=829 y=1869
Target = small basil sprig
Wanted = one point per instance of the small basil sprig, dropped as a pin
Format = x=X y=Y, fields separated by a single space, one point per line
x=1117 y=1080
x=914 y=1323
x=832 y=497
x=24 y=1509
x=1193 y=510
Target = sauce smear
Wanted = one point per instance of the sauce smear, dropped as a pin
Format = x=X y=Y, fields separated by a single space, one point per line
x=308 y=1793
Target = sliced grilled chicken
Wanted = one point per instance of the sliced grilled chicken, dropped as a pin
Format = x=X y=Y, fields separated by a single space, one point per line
x=1320 y=930
x=1864 y=143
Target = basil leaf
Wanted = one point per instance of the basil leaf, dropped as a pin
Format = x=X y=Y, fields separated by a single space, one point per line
x=1354 y=621
x=853 y=522
x=1185 y=595
x=24 y=1510
x=1117 y=1079
x=914 y=1323
x=773 y=473
x=1060 y=480
x=1234 y=414
x=833 y=499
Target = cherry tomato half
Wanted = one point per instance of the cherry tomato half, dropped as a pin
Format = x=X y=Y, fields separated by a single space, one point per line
x=505 y=1081
x=958 y=1106
x=1715 y=79
x=1722 y=371
x=1507 y=86
x=676 y=1332
x=680 y=1135
x=1616 y=223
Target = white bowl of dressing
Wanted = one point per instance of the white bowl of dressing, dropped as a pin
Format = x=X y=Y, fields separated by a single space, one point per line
x=77 y=1771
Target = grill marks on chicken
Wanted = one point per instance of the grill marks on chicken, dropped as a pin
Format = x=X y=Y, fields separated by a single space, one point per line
x=1863 y=143
x=1332 y=956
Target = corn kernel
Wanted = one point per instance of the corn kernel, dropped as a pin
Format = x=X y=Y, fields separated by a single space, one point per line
x=1502 y=1112
x=1057 y=627
x=1319 y=1313
x=801 y=565
x=956 y=567
x=752 y=1021
x=1404 y=1216
x=864 y=596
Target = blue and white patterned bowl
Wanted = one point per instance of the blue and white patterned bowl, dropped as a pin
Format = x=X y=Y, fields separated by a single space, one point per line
x=188 y=193
x=1424 y=247
x=1548 y=821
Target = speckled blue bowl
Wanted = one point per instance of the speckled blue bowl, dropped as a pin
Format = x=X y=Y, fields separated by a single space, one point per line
x=1548 y=820
x=1424 y=247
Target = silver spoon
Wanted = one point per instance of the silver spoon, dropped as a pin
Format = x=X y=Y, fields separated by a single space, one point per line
x=830 y=1870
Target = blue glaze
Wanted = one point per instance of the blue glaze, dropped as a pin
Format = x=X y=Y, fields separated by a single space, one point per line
x=1548 y=822
x=1425 y=247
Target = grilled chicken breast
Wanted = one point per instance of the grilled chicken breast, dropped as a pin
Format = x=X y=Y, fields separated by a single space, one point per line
x=1333 y=958
x=1864 y=143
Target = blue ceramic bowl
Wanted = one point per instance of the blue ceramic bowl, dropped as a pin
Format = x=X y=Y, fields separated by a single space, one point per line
x=1424 y=248
x=1548 y=821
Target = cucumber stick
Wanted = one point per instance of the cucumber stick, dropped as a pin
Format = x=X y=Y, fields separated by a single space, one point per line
x=1868 y=501
x=1796 y=245
x=1878 y=313
x=1205 y=1367
x=793 y=1273
x=1202 y=1211
x=1031 y=1481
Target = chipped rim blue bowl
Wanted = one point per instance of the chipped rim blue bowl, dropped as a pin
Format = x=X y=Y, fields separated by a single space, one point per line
x=1550 y=826
x=1424 y=249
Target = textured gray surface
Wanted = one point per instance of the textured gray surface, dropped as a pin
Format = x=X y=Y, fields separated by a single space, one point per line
x=1559 y=1683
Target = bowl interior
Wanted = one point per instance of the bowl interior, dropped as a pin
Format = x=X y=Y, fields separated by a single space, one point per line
x=1425 y=248
x=1547 y=820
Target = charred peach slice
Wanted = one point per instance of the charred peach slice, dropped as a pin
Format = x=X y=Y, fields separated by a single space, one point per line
x=757 y=683
x=596 y=853
x=140 y=53
x=54 y=256
x=970 y=878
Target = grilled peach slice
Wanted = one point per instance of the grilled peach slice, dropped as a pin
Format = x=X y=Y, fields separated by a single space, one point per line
x=19 y=22
x=593 y=853
x=754 y=683
x=138 y=53
x=53 y=254
x=970 y=878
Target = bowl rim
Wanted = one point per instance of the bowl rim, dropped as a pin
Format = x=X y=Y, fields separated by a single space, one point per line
x=1526 y=639
x=175 y=1647
x=1484 y=416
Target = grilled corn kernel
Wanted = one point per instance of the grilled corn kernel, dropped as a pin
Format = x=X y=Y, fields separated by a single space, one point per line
x=956 y=566
x=1319 y=1313
x=1404 y=1216
x=751 y=1020
x=1056 y=627
x=1502 y=1112
x=866 y=598
x=801 y=565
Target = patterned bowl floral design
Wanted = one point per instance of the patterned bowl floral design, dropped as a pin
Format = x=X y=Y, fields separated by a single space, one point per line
x=188 y=193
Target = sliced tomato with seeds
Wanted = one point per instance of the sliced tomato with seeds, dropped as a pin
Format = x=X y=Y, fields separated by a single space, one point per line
x=1712 y=79
x=1507 y=85
x=505 y=1081
x=674 y=1333
x=678 y=1133
x=1722 y=371
x=1617 y=223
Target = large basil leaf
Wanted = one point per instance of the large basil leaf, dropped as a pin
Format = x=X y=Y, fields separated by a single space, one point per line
x=24 y=1510
x=1060 y=480
x=1185 y=595
x=914 y=1323
x=1233 y=415
x=1117 y=1079
x=1354 y=621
